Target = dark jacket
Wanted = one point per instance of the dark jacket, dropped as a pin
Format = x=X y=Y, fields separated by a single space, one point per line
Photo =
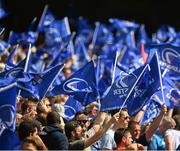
x=54 y=138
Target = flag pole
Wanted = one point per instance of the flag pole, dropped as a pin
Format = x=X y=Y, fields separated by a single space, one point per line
x=122 y=52
x=27 y=59
x=2 y=31
x=26 y=64
x=97 y=24
x=147 y=66
x=133 y=39
x=160 y=77
x=84 y=51
x=114 y=67
x=42 y=16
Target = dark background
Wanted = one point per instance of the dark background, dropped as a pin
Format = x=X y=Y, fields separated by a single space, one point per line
x=152 y=13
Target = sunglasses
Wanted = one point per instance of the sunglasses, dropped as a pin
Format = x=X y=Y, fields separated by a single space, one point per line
x=126 y=117
x=82 y=121
x=48 y=104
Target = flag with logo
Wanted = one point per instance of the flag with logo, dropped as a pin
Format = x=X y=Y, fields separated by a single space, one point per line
x=81 y=85
x=169 y=56
x=38 y=85
x=147 y=85
x=119 y=90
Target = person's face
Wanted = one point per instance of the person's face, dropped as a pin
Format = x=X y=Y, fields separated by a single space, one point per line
x=84 y=121
x=34 y=133
x=128 y=138
x=124 y=119
x=32 y=111
x=94 y=111
x=78 y=132
x=136 y=131
x=47 y=105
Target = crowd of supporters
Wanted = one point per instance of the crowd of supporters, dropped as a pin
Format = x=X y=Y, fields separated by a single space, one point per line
x=42 y=124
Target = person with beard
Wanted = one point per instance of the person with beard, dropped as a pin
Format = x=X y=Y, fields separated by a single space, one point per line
x=74 y=133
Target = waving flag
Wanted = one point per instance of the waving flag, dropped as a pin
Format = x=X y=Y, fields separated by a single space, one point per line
x=3 y=13
x=14 y=72
x=9 y=62
x=25 y=38
x=56 y=31
x=107 y=67
x=17 y=71
x=47 y=18
x=8 y=107
x=169 y=56
x=172 y=94
x=3 y=47
x=119 y=90
x=85 y=30
x=38 y=85
x=152 y=111
x=147 y=85
x=140 y=93
x=8 y=138
x=81 y=85
x=120 y=24
x=81 y=53
x=71 y=107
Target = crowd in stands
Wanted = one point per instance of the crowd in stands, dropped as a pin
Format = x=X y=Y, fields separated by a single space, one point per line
x=41 y=124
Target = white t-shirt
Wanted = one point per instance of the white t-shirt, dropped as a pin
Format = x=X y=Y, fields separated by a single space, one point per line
x=175 y=134
x=107 y=141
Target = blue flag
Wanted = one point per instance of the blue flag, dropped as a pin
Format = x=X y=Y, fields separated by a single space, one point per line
x=140 y=93
x=8 y=107
x=119 y=90
x=142 y=35
x=14 y=72
x=81 y=85
x=8 y=137
x=172 y=94
x=71 y=107
x=47 y=18
x=81 y=53
x=85 y=30
x=152 y=111
x=3 y=13
x=38 y=85
x=169 y=59
x=147 y=85
x=56 y=31
x=25 y=38
x=3 y=47
x=120 y=24
x=9 y=62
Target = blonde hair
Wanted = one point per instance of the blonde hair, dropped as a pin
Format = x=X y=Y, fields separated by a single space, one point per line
x=168 y=122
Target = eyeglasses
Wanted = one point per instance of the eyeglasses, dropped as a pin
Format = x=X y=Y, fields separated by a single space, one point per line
x=82 y=121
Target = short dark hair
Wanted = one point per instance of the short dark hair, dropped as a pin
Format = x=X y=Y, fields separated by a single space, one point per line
x=118 y=135
x=25 y=128
x=70 y=127
x=131 y=123
x=117 y=110
x=27 y=104
x=53 y=118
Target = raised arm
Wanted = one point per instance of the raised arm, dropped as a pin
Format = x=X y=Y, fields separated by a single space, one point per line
x=101 y=131
x=140 y=114
x=99 y=121
x=155 y=124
